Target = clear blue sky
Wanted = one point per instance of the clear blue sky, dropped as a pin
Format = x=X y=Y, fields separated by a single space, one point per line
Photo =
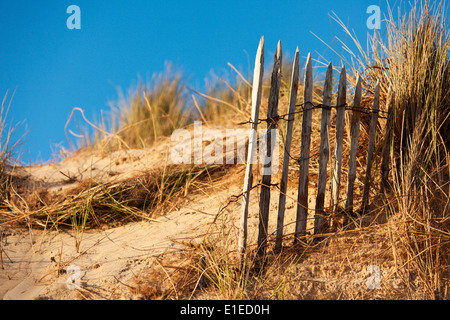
x=56 y=69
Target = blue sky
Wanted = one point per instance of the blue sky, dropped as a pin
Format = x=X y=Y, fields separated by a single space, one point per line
x=54 y=69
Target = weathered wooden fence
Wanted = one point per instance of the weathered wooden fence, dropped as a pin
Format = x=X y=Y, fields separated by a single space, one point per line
x=324 y=154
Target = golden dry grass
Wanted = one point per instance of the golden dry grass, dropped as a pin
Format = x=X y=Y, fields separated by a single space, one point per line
x=406 y=231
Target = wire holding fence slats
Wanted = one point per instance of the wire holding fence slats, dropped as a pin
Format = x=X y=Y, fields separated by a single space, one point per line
x=286 y=116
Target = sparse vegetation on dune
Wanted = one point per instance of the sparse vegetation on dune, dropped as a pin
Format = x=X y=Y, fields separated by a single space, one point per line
x=146 y=113
x=409 y=230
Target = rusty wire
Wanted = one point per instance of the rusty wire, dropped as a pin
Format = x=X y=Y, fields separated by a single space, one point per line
x=285 y=116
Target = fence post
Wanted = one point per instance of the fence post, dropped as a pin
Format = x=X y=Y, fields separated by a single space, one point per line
x=256 y=102
x=370 y=148
x=324 y=150
x=388 y=134
x=287 y=148
x=302 y=203
x=354 y=134
x=272 y=121
x=340 y=123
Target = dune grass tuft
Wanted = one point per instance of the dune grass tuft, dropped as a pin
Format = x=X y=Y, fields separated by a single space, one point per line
x=148 y=112
x=412 y=60
x=7 y=147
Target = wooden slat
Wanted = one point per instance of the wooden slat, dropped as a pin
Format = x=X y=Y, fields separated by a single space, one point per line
x=287 y=148
x=387 y=141
x=371 y=147
x=272 y=115
x=354 y=136
x=302 y=204
x=324 y=151
x=340 y=123
x=256 y=102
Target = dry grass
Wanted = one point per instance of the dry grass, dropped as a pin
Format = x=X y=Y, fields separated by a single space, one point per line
x=92 y=204
x=407 y=230
x=333 y=268
x=7 y=148
x=137 y=119
x=414 y=61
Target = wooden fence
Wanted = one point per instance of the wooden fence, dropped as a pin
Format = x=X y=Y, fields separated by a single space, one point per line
x=324 y=154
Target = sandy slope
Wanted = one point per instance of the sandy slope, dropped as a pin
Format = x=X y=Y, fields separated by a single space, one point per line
x=34 y=262
x=106 y=258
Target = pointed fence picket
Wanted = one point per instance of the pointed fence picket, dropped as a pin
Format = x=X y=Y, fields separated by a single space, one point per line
x=387 y=141
x=272 y=115
x=339 y=141
x=287 y=149
x=302 y=203
x=372 y=137
x=354 y=137
x=324 y=153
x=256 y=102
